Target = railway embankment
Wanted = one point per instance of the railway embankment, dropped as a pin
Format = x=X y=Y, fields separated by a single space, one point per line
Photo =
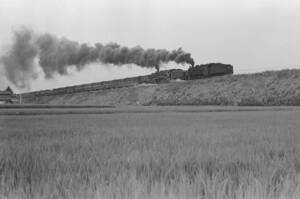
x=271 y=88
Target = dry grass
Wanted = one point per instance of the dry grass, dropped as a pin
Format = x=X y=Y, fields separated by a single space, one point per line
x=154 y=155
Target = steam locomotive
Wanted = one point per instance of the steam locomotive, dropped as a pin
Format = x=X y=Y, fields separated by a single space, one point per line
x=194 y=72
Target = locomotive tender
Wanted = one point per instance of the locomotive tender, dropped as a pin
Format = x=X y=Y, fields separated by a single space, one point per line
x=209 y=70
x=194 y=72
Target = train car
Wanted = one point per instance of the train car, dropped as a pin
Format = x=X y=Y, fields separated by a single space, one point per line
x=219 y=69
x=43 y=92
x=143 y=79
x=158 y=78
x=208 y=70
x=176 y=74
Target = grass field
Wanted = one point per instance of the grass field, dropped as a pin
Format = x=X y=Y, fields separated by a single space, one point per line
x=206 y=155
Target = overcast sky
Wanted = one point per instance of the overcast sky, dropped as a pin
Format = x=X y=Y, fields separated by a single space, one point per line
x=252 y=35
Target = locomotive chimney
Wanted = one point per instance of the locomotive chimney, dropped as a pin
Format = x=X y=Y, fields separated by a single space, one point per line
x=157 y=68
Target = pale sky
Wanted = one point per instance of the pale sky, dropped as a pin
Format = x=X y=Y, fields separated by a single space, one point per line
x=252 y=35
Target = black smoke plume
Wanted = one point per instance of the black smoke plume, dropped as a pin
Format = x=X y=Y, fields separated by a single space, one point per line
x=19 y=61
x=55 y=55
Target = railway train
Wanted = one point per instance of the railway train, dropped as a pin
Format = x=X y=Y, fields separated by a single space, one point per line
x=194 y=72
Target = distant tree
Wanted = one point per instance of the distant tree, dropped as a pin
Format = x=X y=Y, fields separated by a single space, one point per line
x=9 y=89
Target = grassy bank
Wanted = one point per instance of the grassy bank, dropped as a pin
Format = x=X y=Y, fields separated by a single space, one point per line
x=274 y=88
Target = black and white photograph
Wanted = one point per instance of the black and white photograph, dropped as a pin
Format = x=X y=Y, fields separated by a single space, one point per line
x=149 y=99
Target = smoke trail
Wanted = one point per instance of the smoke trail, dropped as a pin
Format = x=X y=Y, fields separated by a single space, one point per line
x=56 y=55
x=19 y=60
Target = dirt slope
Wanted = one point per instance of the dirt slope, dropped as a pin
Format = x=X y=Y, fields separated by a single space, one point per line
x=267 y=88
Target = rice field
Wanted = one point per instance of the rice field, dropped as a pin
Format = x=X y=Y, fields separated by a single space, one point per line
x=204 y=155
